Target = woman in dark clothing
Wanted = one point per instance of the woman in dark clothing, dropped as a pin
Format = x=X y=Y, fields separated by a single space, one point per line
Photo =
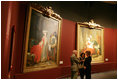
x=87 y=64
x=81 y=65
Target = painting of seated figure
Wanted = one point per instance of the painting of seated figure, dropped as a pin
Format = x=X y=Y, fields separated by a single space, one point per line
x=91 y=39
x=42 y=41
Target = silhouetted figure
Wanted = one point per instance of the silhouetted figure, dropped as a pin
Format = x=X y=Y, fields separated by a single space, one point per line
x=81 y=65
x=87 y=64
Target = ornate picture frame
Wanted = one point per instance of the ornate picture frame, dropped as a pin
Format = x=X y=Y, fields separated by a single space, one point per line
x=42 y=39
x=90 y=37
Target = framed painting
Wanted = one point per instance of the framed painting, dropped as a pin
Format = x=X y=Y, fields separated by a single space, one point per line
x=90 y=37
x=42 y=40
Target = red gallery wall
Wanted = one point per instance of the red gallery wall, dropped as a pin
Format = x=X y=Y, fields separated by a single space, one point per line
x=13 y=13
x=3 y=34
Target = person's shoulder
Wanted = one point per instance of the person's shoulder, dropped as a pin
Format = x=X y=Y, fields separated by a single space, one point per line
x=86 y=58
x=73 y=55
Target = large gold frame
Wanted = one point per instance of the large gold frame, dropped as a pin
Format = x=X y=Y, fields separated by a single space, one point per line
x=91 y=25
x=48 y=12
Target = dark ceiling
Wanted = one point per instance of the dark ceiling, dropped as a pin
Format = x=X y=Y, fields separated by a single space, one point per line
x=102 y=12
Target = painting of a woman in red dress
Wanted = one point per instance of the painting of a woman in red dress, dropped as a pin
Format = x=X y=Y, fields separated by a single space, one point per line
x=42 y=42
x=41 y=50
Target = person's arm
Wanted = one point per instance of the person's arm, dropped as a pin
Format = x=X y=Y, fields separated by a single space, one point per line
x=76 y=60
x=89 y=59
x=87 y=62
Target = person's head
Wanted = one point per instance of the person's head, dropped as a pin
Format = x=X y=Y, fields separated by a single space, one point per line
x=45 y=33
x=88 y=53
x=75 y=52
x=82 y=55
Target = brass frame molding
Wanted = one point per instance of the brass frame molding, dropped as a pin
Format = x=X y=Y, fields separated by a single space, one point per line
x=46 y=11
x=90 y=25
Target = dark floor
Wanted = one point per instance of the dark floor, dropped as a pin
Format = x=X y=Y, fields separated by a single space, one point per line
x=103 y=75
